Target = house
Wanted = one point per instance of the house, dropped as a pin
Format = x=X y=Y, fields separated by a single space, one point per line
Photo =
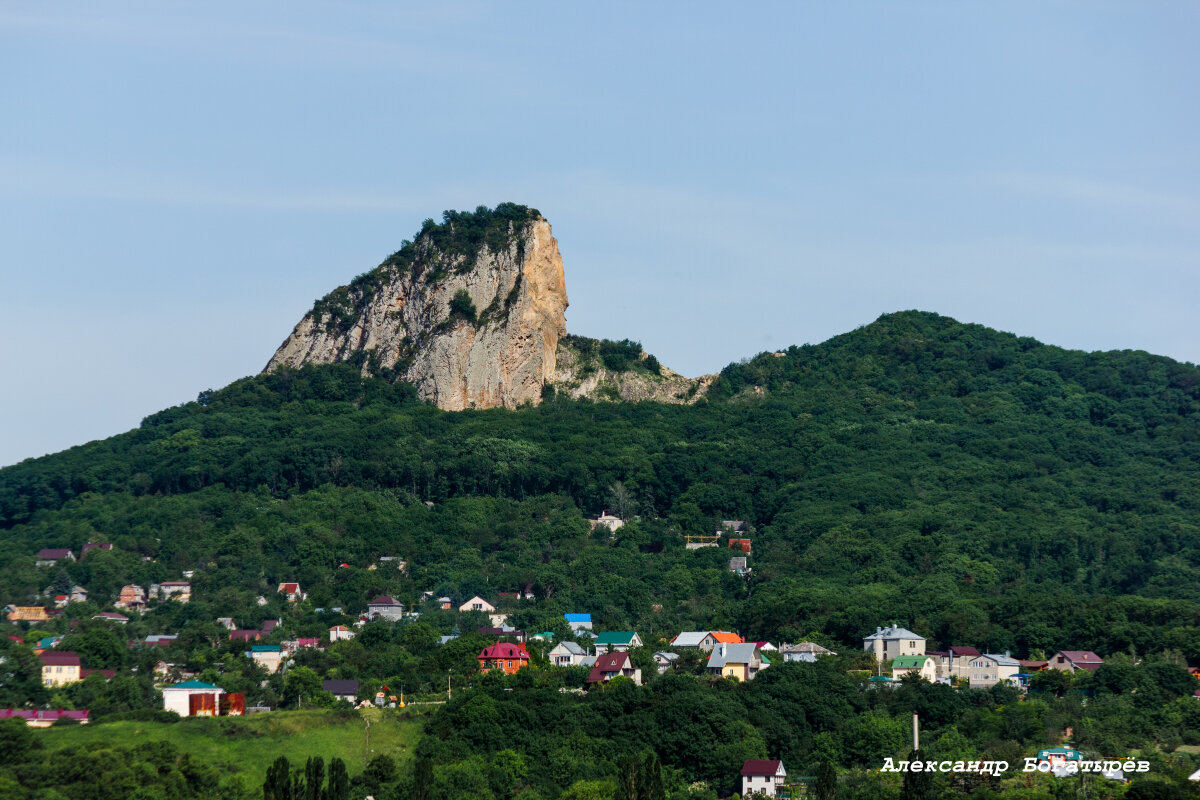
x=503 y=630
x=1029 y=666
x=193 y=699
x=687 y=639
x=619 y=641
x=340 y=633
x=804 y=651
x=132 y=597
x=740 y=661
x=50 y=556
x=1071 y=660
x=665 y=660
x=713 y=638
x=614 y=665
x=498 y=620
x=733 y=526
x=291 y=592
x=108 y=674
x=988 y=669
x=78 y=595
x=61 y=600
x=887 y=643
x=267 y=656
x=161 y=639
x=227 y=623
x=445 y=603
x=566 y=654
x=740 y=544
x=44 y=718
x=763 y=777
x=111 y=616
x=578 y=622
x=342 y=690
x=738 y=566
x=922 y=666
x=477 y=603
x=172 y=590
x=268 y=625
x=606 y=520
x=245 y=635
x=504 y=656
x=28 y=614
x=385 y=607
x=59 y=669
x=90 y=546
x=292 y=645
x=955 y=662
x=46 y=643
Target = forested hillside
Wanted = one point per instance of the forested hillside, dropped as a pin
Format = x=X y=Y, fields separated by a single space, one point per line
x=979 y=486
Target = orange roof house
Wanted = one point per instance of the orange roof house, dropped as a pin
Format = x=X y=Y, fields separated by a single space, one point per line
x=504 y=656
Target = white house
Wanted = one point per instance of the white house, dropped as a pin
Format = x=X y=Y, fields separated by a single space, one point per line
x=477 y=603
x=340 y=633
x=178 y=698
x=989 y=669
x=892 y=641
x=606 y=520
x=579 y=622
x=805 y=651
x=385 y=607
x=665 y=660
x=567 y=654
x=763 y=777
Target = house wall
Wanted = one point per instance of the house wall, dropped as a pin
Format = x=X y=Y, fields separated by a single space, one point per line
x=762 y=784
x=58 y=676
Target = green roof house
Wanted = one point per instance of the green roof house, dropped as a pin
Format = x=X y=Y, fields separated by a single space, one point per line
x=923 y=666
x=617 y=642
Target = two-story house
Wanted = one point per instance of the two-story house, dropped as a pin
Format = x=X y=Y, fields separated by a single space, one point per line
x=385 y=607
x=887 y=643
x=741 y=661
x=617 y=641
x=614 y=665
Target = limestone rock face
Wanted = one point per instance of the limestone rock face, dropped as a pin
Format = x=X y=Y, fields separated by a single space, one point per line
x=402 y=319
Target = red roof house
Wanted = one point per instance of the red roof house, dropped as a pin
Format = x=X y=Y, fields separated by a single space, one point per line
x=762 y=777
x=1071 y=660
x=614 y=665
x=504 y=656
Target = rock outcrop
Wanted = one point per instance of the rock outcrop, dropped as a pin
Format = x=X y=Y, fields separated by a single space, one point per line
x=472 y=313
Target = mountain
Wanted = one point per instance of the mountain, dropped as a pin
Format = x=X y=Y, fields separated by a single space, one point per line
x=472 y=313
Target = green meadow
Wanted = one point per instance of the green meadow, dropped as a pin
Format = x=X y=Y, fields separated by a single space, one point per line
x=247 y=746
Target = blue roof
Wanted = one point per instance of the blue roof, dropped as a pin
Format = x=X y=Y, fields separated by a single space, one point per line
x=578 y=617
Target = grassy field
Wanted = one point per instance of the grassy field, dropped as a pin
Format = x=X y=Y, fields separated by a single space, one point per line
x=248 y=745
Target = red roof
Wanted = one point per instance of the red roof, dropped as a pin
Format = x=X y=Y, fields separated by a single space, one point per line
x=384 y=600
x=43 y=714
x=608 y=663
x=504 y=650
x=108 y=673
x=289 y=588
x=761 y=767
x=96 y=546
x=63 y=659
x=244 y=635
x=54 y=553
x=1082 y=659
x=964 y=651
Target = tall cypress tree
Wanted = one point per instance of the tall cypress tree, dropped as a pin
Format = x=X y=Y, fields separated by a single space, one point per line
x=314 y=779
x=278 y=785
x=339 y=781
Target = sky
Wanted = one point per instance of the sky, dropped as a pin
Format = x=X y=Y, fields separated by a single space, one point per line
x=179 y=181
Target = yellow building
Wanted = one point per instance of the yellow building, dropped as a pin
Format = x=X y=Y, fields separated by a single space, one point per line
x=60 y=668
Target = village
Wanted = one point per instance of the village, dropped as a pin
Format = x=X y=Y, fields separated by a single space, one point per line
x=889 y=656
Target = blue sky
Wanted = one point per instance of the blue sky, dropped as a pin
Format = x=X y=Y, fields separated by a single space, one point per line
x=179 y=181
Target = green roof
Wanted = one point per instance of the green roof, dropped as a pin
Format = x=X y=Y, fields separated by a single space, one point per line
x=909 y=662
x=265 y=648
x=192 y=685
x=616 y=637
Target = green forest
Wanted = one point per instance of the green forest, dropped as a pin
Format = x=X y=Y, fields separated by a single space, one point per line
x=977 y=487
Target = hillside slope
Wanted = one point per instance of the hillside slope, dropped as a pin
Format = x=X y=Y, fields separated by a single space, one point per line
x=946 y=474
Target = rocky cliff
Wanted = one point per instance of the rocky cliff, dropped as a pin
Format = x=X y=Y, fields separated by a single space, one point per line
x=471 y=312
